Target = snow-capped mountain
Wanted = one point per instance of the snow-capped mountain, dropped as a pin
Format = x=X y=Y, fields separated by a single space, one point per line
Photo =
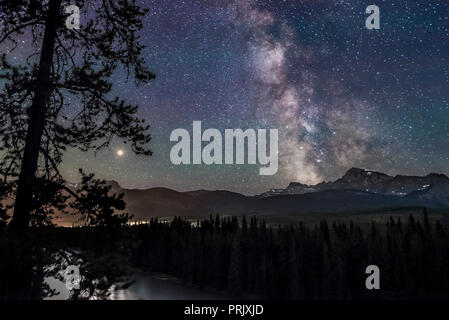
x=375 y=182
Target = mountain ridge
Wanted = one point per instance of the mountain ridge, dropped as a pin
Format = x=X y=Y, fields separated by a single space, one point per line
x=370 y=180
x=357 y=190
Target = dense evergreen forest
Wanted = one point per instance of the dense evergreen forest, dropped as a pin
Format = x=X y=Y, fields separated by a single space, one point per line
x=299 y=262
x=250 y=259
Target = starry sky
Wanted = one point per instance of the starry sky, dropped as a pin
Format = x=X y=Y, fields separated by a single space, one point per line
x=341 y=95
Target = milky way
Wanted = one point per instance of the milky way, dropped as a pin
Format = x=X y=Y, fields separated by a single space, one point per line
x=287 y=99
x=340 y=95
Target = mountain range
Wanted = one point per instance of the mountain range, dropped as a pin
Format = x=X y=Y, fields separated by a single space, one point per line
x=372 y=181
x=357 y=190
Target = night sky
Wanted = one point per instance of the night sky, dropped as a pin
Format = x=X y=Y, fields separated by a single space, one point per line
x=341 y=96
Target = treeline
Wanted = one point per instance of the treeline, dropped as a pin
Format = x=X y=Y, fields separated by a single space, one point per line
x=299 y=262
x=243 y=257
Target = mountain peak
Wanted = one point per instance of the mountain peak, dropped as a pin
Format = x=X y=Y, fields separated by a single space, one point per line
x=356 y=173
x=437 y=175
x=114 y=184
x=296 y=184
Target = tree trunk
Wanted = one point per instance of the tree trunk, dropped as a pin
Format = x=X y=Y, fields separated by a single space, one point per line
x=36 y=121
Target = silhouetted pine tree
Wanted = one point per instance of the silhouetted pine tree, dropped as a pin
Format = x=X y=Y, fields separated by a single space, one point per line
x=73 y=65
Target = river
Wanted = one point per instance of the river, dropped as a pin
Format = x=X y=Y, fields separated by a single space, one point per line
x=147 y=287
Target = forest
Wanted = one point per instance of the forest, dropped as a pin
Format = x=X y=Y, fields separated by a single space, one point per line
x=299 y=262
x=252 y=260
